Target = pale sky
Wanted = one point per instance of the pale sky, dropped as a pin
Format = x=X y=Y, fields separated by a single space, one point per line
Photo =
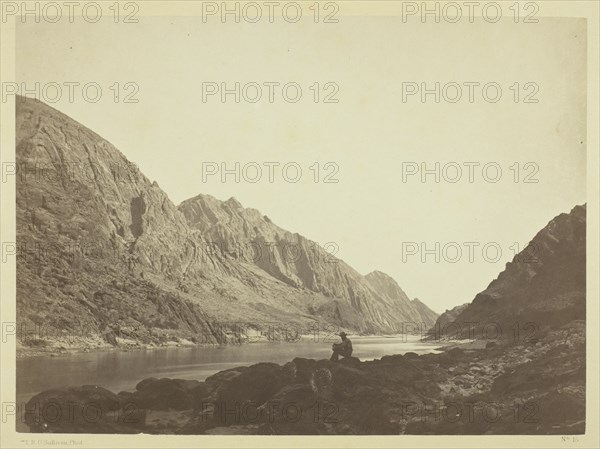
x=370 y=213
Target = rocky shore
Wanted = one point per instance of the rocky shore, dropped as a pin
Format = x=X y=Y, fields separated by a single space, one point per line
x=531 y=386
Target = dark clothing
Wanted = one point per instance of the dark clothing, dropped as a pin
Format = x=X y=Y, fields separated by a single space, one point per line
x=344 y=349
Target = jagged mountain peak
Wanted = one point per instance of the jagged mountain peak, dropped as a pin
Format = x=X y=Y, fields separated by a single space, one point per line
x=428 y=315
x=233 y=202
x=298 y=261
x=379 y=274
x=386 y=284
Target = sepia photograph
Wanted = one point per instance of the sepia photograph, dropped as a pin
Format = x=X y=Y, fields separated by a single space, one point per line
x=299 y=224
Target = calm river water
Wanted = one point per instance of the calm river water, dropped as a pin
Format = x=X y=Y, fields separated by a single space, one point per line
x=118 y=371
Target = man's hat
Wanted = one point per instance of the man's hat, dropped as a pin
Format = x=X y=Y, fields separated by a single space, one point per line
x=342 y=334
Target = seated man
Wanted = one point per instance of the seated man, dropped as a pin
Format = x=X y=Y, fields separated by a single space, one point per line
x=344 y=348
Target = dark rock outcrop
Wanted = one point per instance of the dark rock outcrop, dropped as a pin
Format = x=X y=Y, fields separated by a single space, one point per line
x=543 y=288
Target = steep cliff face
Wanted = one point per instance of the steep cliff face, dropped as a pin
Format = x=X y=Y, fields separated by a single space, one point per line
x=542 y=288
x=104 y=257
x=247 y=235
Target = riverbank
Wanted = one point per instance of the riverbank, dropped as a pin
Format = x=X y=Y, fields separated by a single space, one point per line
x=69 y=346
x=532 y=387
x=58 y=348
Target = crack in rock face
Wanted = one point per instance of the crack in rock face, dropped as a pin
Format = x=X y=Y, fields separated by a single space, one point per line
x=138 y=209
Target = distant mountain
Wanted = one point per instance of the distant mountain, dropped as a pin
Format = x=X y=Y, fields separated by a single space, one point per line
x=544 y=287
x=428 y=316
x=415 y=310
x=105 y=257
x=449 y=316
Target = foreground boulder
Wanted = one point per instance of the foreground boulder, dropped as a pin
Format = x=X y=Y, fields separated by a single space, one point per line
x=80 y=409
